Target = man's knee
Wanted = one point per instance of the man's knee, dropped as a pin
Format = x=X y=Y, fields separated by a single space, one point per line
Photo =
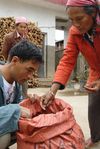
x=5 y=141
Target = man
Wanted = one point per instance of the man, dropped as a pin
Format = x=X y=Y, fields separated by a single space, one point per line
x=24 y=58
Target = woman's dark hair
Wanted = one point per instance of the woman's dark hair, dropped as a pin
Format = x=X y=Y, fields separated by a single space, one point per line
x=26 y=50
x=90 y=9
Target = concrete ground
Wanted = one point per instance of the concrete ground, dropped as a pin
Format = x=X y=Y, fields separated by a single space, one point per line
x=79 y=104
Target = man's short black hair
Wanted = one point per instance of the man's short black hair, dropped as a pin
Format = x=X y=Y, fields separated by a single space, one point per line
x=26 y=50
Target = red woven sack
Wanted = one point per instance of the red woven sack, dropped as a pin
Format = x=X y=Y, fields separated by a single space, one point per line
x=54 y=128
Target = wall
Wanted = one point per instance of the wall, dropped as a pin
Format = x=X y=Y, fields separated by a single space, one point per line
x=44 y=18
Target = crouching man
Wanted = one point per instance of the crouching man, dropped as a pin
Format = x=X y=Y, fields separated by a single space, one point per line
x=24 y=58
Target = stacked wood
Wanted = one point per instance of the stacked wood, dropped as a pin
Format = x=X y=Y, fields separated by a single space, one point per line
x=34 y=35
x=6 y=26
x=34 y=82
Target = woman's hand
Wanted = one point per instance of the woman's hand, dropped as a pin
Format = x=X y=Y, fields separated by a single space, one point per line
x=93 y=87
x=41 y=99
x=47 y=99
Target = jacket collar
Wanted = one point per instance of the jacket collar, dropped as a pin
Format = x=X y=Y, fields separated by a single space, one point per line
x=16 y=35
x=75 y=31
x=1 y=81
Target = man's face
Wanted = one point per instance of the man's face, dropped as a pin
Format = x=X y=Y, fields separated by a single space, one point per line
x=23 y=71
x=82 y=21
x=22 y=29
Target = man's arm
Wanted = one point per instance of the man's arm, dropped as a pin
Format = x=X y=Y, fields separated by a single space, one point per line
x=9 y=117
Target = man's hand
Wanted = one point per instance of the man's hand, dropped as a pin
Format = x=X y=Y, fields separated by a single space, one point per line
x=25 y=112
x=33 y=97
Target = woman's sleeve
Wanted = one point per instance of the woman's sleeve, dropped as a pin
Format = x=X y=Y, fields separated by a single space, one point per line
x=67 y=62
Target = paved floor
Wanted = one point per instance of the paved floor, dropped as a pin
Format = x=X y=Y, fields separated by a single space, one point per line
x=79 y=104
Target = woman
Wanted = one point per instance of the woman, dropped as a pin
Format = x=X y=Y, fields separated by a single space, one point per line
x=20 y=32
x=84 y=37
